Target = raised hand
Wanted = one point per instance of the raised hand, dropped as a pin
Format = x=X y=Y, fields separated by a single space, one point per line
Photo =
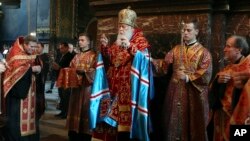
x=2 y=67
x=104 y=40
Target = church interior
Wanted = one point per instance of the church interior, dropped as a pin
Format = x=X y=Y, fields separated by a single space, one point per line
x=53 y=21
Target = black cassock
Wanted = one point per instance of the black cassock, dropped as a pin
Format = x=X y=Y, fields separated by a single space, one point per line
x=19 y=91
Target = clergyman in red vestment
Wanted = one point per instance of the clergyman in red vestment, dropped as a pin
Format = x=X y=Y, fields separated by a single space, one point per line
x=20 y=92
x=120 y=56
x=83 y=68
x=185 y=114
x=226 y=101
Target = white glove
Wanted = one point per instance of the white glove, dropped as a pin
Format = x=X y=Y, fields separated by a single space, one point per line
x=36 y=69
x=2 y=67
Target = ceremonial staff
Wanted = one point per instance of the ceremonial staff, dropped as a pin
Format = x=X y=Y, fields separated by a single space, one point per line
x=180 y=83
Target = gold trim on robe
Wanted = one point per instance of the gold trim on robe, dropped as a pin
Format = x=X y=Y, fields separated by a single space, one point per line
x=19 y=63
x=28 y=111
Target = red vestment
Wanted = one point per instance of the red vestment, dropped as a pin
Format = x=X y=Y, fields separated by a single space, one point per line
x=19 y=63
x=78 y=117
x=185 y=112
x=227 y=115
x=120 y=85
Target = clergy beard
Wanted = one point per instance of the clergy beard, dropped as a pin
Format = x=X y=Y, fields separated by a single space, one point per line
x=120 y=37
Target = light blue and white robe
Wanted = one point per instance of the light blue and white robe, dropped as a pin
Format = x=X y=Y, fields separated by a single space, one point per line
x=100 y=92
x=142 y=93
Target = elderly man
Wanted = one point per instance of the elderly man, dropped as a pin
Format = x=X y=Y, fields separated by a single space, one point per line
x=226 y=101
x=19 y=91
x=120 y=56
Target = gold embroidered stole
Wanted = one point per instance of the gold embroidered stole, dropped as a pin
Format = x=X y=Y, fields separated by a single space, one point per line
x=28 y=111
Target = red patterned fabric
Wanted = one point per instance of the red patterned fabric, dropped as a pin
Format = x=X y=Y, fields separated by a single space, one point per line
x=68 y=78
x=222 y=116
x=119 y=79
x=186 y=104
x=78 y=117
x=227 y=116
x=241 y=113
x=19 y=62
x=119 y=82
x=27 y=109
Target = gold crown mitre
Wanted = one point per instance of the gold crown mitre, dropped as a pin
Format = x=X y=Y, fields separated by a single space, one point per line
x=127 y=16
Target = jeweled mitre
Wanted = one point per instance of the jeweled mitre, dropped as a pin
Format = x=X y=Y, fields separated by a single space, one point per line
x=127 y=16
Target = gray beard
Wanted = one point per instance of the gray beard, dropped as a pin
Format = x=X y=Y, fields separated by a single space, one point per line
x=127 y=34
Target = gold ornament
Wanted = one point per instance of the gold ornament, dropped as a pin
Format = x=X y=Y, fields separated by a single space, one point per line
x=127 y=16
